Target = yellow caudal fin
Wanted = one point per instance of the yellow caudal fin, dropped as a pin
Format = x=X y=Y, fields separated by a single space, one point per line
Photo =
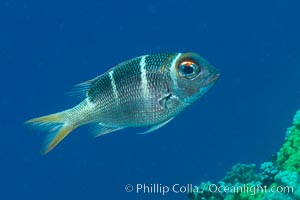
x=57 y=126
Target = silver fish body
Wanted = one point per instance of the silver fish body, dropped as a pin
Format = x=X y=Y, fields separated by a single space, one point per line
x=148 y=90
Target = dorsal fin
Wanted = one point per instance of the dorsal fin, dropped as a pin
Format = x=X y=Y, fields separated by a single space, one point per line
x=81 y=89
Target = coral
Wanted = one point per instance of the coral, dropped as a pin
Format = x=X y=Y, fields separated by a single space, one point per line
x=289 y=154
x=268 y=171
x=292 y=181
x=240 y=174
x=203 y=193
x=245 y=196
x=276 y=196
x=296 y=121
x=283 y=173
x=287 y=178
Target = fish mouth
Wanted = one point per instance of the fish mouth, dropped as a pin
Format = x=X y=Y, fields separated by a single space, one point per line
x=213 y=78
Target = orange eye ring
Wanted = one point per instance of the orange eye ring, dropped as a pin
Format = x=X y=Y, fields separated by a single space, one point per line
x=188 y=63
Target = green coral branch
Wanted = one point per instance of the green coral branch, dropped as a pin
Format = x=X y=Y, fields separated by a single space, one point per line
x=289 y=154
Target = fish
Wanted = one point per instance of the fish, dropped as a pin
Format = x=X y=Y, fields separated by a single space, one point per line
x=145 y=91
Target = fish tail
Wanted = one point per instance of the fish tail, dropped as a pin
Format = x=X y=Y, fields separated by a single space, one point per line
x=57 y=125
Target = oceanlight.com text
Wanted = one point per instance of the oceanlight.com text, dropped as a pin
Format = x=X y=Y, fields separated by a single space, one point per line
x=142 y=188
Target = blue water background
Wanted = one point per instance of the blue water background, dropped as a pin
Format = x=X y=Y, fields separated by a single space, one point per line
x=48 y=46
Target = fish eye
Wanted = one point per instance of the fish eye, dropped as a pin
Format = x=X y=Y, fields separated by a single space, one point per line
x=188 y=69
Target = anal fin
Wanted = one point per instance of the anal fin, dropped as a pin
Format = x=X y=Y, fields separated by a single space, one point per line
x=153 y=128
x=100 y=130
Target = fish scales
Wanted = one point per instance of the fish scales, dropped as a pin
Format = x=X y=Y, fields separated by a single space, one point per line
x=130 y=106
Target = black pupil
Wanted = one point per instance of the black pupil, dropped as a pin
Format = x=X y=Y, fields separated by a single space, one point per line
x=187 y=69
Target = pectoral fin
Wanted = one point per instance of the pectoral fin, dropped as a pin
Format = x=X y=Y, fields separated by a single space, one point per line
x=163 y=101
x=153 y=128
